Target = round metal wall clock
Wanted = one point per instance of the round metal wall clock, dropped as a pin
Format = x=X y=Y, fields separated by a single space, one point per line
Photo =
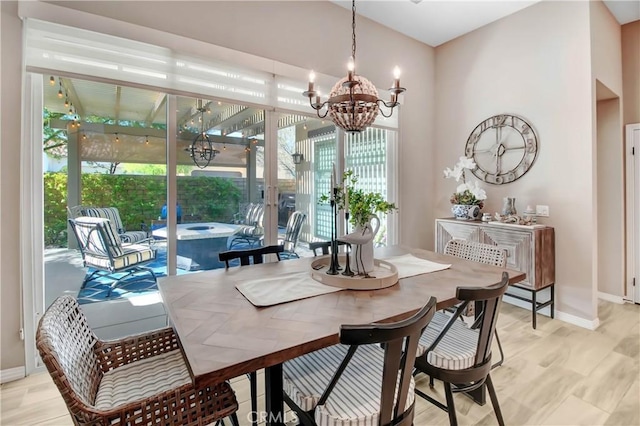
x=504 y=147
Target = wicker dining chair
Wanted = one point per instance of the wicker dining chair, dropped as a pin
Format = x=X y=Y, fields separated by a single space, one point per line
x=481 y=253
x=141 y=380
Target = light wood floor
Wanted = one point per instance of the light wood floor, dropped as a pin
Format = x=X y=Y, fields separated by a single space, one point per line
x=558 y=374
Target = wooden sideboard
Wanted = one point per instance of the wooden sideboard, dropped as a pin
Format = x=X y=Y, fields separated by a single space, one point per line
x=530 y=249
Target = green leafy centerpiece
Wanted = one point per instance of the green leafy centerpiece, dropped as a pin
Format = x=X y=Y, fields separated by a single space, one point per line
x=360 y=208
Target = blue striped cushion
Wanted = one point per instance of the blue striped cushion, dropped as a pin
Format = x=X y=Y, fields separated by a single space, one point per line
x=131 y=255
x=87 y=228
x=133 y=236
x=142 y=379
x=457 y=349
x=356 y=398
x=110 y=213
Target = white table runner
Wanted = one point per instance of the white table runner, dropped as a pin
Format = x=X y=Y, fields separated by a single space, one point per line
x=283 y=288
x=408 y=265
x=300 y=285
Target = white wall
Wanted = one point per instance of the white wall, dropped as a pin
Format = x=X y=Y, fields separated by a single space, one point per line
x=535 y=63
x=11 y=348
x=611 y=256
x=631 y=71
x=608 y=178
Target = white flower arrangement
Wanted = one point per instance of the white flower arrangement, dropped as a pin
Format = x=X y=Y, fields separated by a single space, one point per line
x=466 y=193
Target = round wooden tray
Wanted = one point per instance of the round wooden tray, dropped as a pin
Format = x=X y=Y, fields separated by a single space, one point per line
x=384 y=275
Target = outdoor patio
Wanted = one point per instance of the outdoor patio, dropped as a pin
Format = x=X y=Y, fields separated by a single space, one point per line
x=134 y=307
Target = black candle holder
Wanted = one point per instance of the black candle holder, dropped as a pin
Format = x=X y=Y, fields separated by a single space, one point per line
x=347 y=270
x=334 y=266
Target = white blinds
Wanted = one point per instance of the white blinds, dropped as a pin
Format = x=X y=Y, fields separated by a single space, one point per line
x=60 y=48
x=55 y=47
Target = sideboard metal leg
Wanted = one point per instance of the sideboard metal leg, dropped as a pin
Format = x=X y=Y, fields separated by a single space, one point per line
x=534 y=307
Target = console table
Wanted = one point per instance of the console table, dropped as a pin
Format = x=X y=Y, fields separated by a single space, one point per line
x=530 y=249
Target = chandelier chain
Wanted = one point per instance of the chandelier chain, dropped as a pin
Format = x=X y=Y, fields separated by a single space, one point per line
x=353 y=33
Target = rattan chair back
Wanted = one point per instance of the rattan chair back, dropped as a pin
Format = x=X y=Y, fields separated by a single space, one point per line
x=66 y=345
x=78 y=362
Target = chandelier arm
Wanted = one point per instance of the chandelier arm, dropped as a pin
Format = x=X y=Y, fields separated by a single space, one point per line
x=318 y=107
x=389 y=105
x=321 y=115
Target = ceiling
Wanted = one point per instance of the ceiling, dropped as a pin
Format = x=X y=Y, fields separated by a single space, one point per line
x=436 y=22
x=126 y=124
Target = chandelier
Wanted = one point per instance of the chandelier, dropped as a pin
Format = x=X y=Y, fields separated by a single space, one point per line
x=353 y=102
x=201 y=149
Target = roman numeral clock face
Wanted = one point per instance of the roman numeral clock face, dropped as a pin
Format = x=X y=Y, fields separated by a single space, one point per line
x=504 y=148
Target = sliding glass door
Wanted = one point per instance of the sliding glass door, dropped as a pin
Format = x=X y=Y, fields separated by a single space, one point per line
x=219 y=179
x=104 y=154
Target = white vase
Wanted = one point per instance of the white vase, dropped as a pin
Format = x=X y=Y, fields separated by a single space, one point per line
x=361 y=240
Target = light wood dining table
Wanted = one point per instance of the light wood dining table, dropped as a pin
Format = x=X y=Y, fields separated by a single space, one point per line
x=224 y=336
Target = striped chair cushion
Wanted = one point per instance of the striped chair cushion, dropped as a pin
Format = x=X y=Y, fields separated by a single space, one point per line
x=117 y=226
x=87 y=228
x=133 y=236
x=457 y=349
x=110 y=213
x=142 y=379
x=131 y=255
x=250 y=231
x=356 y=398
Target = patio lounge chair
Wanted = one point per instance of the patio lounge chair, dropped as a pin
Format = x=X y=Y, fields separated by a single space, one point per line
x=113 y=215
x=252 y=232
x=292 y=234
x=102 y=250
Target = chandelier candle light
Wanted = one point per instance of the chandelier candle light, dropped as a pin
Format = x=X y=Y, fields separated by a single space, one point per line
x=353 y=102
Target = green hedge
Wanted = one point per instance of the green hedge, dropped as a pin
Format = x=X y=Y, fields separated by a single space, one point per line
x=139 y=199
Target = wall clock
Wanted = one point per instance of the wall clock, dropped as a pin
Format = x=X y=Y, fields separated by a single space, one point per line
x=504 y=147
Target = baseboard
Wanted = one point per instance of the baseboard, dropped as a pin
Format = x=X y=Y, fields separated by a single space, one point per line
x=11 y=374
x=525 y=305
x=579 y=321
x=611 y=298
x=562 y=316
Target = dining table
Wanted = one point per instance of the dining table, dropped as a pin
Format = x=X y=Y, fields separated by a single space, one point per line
x=223 y=335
